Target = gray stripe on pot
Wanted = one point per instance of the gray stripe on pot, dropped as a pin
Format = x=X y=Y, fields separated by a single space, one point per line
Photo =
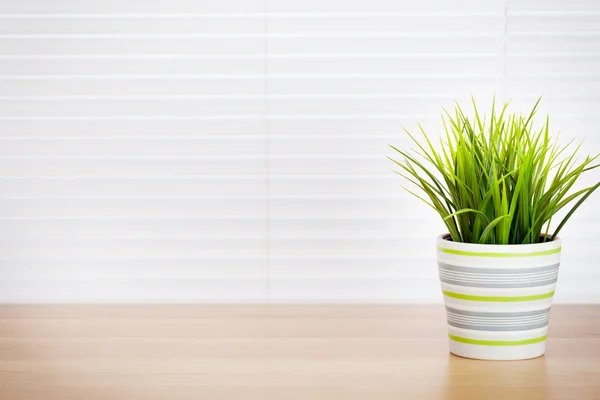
x=499 y=285
x=497 y=321
x=499 y=271
x=498 y=318
x=504 y=328
x=492 y=320
x=474 y=274
x=498 y=278
x=487 y=314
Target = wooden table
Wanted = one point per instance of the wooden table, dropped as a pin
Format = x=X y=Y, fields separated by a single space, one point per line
x=277 y=352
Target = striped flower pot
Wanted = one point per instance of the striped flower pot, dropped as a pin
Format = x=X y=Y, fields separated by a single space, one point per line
x=497 y=297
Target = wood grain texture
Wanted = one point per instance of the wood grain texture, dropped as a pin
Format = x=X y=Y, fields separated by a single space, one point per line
x=274 y=352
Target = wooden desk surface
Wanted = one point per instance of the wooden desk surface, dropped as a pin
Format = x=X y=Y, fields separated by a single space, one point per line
x=277 y=352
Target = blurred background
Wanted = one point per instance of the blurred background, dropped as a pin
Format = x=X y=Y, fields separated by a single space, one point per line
x=234 y=150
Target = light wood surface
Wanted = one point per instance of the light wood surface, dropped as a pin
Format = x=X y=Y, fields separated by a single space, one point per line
x=277 y=352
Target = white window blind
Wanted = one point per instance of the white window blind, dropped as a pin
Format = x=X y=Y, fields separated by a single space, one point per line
x=229 y=151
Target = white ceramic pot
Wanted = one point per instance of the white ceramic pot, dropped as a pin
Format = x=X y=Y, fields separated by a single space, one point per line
x=498 y=297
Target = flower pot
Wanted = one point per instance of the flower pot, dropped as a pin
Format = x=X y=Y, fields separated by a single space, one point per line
x=497 y=297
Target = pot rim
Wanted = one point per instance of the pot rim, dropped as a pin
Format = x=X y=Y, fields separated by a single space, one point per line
x=517 y=248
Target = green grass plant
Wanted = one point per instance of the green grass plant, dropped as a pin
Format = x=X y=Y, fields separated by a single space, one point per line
x=496 y=180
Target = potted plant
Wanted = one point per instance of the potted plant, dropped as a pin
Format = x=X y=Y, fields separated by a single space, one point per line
x=504 y=191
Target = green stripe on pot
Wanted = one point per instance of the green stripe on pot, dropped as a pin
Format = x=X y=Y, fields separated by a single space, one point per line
x=497 y=342
x=499 y=255
x=498 y=299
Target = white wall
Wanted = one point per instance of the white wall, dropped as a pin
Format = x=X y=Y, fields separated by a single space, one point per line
x=233 y=150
